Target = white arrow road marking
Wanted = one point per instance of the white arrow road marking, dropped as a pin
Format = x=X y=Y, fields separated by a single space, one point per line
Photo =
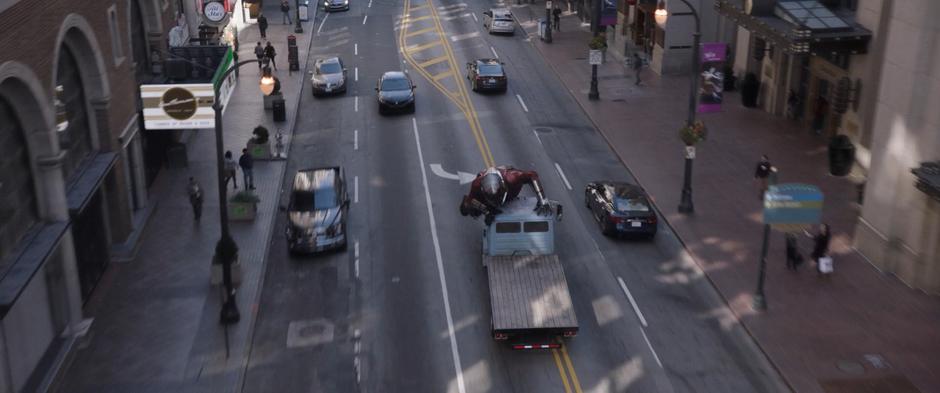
x=462 y=177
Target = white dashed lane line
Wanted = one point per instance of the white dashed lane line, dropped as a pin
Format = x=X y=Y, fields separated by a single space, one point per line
x=492 y=49
x=562 y=174
x=519 y=98
x=356 y=74
x=364 y=19
x=475 y=18
x=356 y=49
x=356 y=189
x=653 y=351
x=356 y=140
x=356 y=104
x=636 y=308
x=321 y=23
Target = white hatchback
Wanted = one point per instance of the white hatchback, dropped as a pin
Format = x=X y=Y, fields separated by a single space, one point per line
x=499 y=20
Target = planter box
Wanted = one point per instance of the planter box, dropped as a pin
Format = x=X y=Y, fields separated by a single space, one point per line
x=216 y=273
x=242 y=211
x=260 y=151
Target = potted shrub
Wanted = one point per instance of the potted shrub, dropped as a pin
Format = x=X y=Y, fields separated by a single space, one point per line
x=243 y=206
x=259 y=146
x=750 y=86
x=690 y=135
x=225 y=249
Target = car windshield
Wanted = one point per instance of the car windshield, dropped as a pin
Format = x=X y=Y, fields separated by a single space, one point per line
x=330 y=68
x=321 y=199
x=491 y=70
x=395 y=84
x=503 y=18
x=634 y=204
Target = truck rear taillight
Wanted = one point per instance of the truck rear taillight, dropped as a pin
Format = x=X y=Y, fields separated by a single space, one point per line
x=571 y=333
x=500 y=336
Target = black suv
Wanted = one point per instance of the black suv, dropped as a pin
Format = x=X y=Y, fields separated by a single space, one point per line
x=316 y=213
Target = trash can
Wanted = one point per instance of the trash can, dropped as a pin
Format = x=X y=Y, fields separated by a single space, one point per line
x=280 y=109
x=542 y=28
x=841 y=155
x=303 y=11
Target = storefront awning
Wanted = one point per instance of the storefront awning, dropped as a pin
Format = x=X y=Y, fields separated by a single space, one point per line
x=928 y=178
x=27 y=259
x=798 y=30
x=83 y=188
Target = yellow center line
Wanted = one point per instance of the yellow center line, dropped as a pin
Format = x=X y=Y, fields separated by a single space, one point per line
x=418 y=7
x=442 y=75
x=574 y=375
x=561 y=371
x=418 y=32
x=418 y=19
x=419 y=48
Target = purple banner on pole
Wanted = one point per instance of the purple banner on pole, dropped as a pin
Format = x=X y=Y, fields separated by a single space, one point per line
x=712 y=77
x=608 y=12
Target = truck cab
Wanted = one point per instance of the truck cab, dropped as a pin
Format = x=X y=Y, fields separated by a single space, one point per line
x=520 y=230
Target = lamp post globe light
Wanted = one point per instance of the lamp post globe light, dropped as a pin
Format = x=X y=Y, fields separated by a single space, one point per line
x=226 y=251
x=661 y=15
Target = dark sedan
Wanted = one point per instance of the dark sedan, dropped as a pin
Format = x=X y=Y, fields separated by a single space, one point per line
x=395 y=92
x=316 y=214
x=620 y=208
x=487 y=74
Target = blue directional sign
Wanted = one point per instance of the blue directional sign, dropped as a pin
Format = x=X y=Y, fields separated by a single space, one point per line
x=792 y=204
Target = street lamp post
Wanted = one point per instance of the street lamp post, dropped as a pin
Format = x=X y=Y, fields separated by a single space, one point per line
x=226 y=250
x=760 y=301
x=685 y=205
x=594 y=94
x=298 y=28
x=548 y=21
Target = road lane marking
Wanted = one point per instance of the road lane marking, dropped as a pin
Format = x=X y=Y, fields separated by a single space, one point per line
x=538 y=137
x=370 y=4
x=356 y=104
x=419 y=32
x=475 y=17
x=356 y=49
x=433 y=61
x=492 y=49
x=561 y=371
x=322 y=22
x=356 y=140
x=636 y=308
x=458 y=37
x=364 y=19
x=356 y=263
x=571 y=373
x=356 y=189
x=521 y=102
x=357 y=249
x=562 y=174
x=410 y=20
x=648 y=344
x=442 y=75
x=356 y=74
x=418 y=48
x=440 y=264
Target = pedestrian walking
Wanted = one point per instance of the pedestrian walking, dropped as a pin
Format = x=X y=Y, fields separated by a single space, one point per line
x=270 y=53
x=263 y=25
x=557 y=14
x=285 y=12
x=819 y=115
x=195 y=197
x=231 y=169
x=794 y=257
x=259 y=53
x=821 y=249
x=761 y=174
x=247 y=163
x=637 y=67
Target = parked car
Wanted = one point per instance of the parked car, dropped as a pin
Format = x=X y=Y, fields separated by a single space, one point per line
x=395 y=92
x=335 y=5
x=620 y=208
x=329 y=76
x=487 y=74
x=499 y=20
x=317 y=211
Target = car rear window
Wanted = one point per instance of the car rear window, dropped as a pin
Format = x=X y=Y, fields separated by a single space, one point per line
x=330 y=68
x=507 y=227
x=536 y=226
x=503 y=18
x=395 y=84
x=491 y=70
x=635 y=204
x=321 y=199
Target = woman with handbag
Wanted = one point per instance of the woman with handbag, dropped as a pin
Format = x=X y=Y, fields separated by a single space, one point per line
x=821 y=250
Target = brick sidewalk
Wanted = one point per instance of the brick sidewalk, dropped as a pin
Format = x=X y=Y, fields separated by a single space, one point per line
x=156 y=317
x=863 y=331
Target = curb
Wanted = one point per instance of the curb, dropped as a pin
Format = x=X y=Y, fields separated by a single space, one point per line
x=685 y=253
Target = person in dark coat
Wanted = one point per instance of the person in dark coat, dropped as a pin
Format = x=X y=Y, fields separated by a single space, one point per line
x=637 y=67
x=557 y=18
x=761 y=174
x=270 y=53
x=259 y=53
x=195 y=197
x=794 y=258
x=285 y=12
x=247 y=163
x=263 y=25
x=820 y=243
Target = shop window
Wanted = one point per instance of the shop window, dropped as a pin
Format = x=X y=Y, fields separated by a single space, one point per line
x=17 y=196
x=75 y=136
x=117 y=49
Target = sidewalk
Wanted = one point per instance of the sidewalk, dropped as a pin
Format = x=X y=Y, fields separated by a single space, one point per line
x=861 y=332
x=156 y=318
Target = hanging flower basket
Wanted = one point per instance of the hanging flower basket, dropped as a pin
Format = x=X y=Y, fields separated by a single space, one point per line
x=691 y=135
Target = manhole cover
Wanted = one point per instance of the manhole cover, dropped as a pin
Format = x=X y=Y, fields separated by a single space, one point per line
x=851 y=367
x=309 y=332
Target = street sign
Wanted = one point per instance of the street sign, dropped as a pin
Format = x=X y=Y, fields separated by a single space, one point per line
x=595 y=57
x=791 y=205
x=690 y=152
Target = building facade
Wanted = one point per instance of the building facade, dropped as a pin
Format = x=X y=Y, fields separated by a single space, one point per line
x=899 y=226
x=74 y=168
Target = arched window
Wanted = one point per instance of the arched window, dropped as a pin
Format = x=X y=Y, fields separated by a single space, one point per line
x=17 y=195
x=75 y=138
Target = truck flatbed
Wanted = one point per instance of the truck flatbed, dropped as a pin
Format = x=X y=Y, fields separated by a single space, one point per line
x=529 y=293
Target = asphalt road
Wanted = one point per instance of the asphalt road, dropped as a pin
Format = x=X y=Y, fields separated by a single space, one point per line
x=377 y=317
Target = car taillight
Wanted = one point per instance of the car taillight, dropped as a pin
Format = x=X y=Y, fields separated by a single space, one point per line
x=536 y=346
x=615 y=219
x=571 y=333
x=651 y=220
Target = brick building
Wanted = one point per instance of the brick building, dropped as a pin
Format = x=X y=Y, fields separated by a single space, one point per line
x=75 y=164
